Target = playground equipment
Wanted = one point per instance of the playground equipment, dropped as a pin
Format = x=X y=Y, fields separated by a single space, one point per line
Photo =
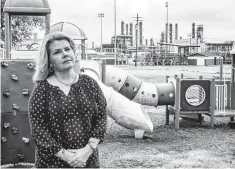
x=138 y=90
x=215 y=98
x=126 y=113
x=25 y=8
x=192 y=97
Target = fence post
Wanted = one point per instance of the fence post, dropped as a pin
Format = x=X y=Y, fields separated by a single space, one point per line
x=212 y=102
x=177 y=103
x=103 y=65
x=200 y=115
x=167 y=110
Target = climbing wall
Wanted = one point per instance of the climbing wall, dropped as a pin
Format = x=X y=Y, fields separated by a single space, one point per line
x=16 y=86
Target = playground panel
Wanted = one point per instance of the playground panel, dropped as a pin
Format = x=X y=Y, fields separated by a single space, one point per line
x=195 y=95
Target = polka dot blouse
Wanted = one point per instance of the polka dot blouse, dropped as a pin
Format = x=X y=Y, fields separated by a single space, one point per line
x=59 y=121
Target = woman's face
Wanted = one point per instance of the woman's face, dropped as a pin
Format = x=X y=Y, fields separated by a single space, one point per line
x=62 y=56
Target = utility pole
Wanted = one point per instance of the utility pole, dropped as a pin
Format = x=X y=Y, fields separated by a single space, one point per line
x=167 y=22
x=115 y=40
x=101 y=15
x=136 y=29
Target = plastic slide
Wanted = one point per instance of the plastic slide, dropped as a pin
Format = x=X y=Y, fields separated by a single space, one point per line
x=139 y=91
x=126 y=94
x=126 y=113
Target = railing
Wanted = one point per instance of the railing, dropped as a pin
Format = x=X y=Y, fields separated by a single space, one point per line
x=221 y=99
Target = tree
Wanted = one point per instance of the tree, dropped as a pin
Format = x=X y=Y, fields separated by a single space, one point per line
x=21 y=26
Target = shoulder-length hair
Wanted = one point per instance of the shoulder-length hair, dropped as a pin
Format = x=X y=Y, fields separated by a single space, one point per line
x=42 y=60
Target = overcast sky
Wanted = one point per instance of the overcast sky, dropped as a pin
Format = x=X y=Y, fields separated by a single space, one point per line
x=217 y=17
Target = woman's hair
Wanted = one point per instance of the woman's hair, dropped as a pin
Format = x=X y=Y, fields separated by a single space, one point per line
x=42 y=60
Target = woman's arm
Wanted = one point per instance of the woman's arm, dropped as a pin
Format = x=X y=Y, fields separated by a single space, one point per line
x=100 y=122
x=38 y=122
x=98 y=129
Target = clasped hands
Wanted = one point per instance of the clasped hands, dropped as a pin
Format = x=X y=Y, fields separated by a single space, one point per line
x=78 y=157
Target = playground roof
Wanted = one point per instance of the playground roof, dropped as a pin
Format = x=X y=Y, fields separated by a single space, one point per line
x=70 y=29
x=25 y=7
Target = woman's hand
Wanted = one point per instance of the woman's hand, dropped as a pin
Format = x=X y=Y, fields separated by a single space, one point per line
x=81 y=156
x=68 y=155
x=65 y=155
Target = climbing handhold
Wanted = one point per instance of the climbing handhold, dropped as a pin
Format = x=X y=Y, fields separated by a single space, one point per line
x=25 y=140
x=14 y=77
x=15 y=108
x=25 y=92
x=4 y=64
x=14 y=130
x=30 y=65
x=4 y=139
x=6 y=125
x=20 y=157
x=6 y=93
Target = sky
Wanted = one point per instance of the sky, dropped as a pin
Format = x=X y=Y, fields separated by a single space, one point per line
x=216 y=16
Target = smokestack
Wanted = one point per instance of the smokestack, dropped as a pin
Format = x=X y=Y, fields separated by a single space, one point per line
x=176 y=31
x=131 y=33
x=170 y=32
x=162 y=37
x=131 y=29
x=193 y=30
x=146 y=42
x=151 y=42
x=122 y=28
x=126 y=29
x=141 y=33
x=200 y=30
x=93 y=45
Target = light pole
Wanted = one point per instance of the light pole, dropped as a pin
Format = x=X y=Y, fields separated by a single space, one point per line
x=167 y=25
x=166 y=22
x=101 y=15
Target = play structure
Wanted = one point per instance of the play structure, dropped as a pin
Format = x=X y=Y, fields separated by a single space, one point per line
x=125 y=94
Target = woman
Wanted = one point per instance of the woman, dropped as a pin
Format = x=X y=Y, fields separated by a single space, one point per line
x=67 y=110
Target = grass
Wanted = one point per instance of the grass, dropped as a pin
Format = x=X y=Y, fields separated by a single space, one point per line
x=193 y=146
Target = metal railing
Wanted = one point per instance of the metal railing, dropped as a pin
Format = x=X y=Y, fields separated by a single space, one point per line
x=221 y=97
